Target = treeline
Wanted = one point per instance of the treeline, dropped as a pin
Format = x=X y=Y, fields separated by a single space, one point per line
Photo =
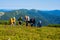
x=54 y=25
x=4 y=22
x=7 y=22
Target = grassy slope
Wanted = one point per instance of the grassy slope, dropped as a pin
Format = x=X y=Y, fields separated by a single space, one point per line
x=8 y=32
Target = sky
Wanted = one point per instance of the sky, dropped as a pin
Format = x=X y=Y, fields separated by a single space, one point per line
x=30 y=4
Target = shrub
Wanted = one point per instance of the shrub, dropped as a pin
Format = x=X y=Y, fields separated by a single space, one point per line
x=54 y=25
x=6 y=22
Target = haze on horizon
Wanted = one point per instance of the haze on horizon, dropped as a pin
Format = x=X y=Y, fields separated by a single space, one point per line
x=30 y=4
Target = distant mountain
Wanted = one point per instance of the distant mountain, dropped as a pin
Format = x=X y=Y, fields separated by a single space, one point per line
x=47 y=17
x=54 y=12
x=4 y=10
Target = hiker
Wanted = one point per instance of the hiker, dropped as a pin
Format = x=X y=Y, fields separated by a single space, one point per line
x=27 y=19
x=32 y=21
x=14 y=20
x=11 y=21
x=39 y=23
x=20 y=20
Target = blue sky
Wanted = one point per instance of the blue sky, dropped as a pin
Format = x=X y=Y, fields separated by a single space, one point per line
x=30 y=4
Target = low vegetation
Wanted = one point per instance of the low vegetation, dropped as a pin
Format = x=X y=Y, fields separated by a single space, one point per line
x=21 y=32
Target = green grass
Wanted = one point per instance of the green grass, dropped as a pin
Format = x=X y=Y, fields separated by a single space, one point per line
x=9 y=32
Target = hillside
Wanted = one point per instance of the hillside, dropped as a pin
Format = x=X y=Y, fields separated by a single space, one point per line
x=47 y=17
x=8 y=32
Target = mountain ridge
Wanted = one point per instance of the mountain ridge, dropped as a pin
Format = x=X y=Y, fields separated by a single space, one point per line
x=47 y=17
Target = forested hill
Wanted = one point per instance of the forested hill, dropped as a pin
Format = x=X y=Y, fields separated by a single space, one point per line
x=47 y=17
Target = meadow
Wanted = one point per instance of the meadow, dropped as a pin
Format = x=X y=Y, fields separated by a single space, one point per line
x=21 y=32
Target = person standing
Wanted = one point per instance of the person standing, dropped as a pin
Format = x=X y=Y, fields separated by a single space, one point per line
x=32 y=21
x=39 y=23
x=20 y=20
x=14 y=20
x=27 y=19
x=11 y=21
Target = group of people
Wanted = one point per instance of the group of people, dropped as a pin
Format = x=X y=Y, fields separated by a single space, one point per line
x=27 y=20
